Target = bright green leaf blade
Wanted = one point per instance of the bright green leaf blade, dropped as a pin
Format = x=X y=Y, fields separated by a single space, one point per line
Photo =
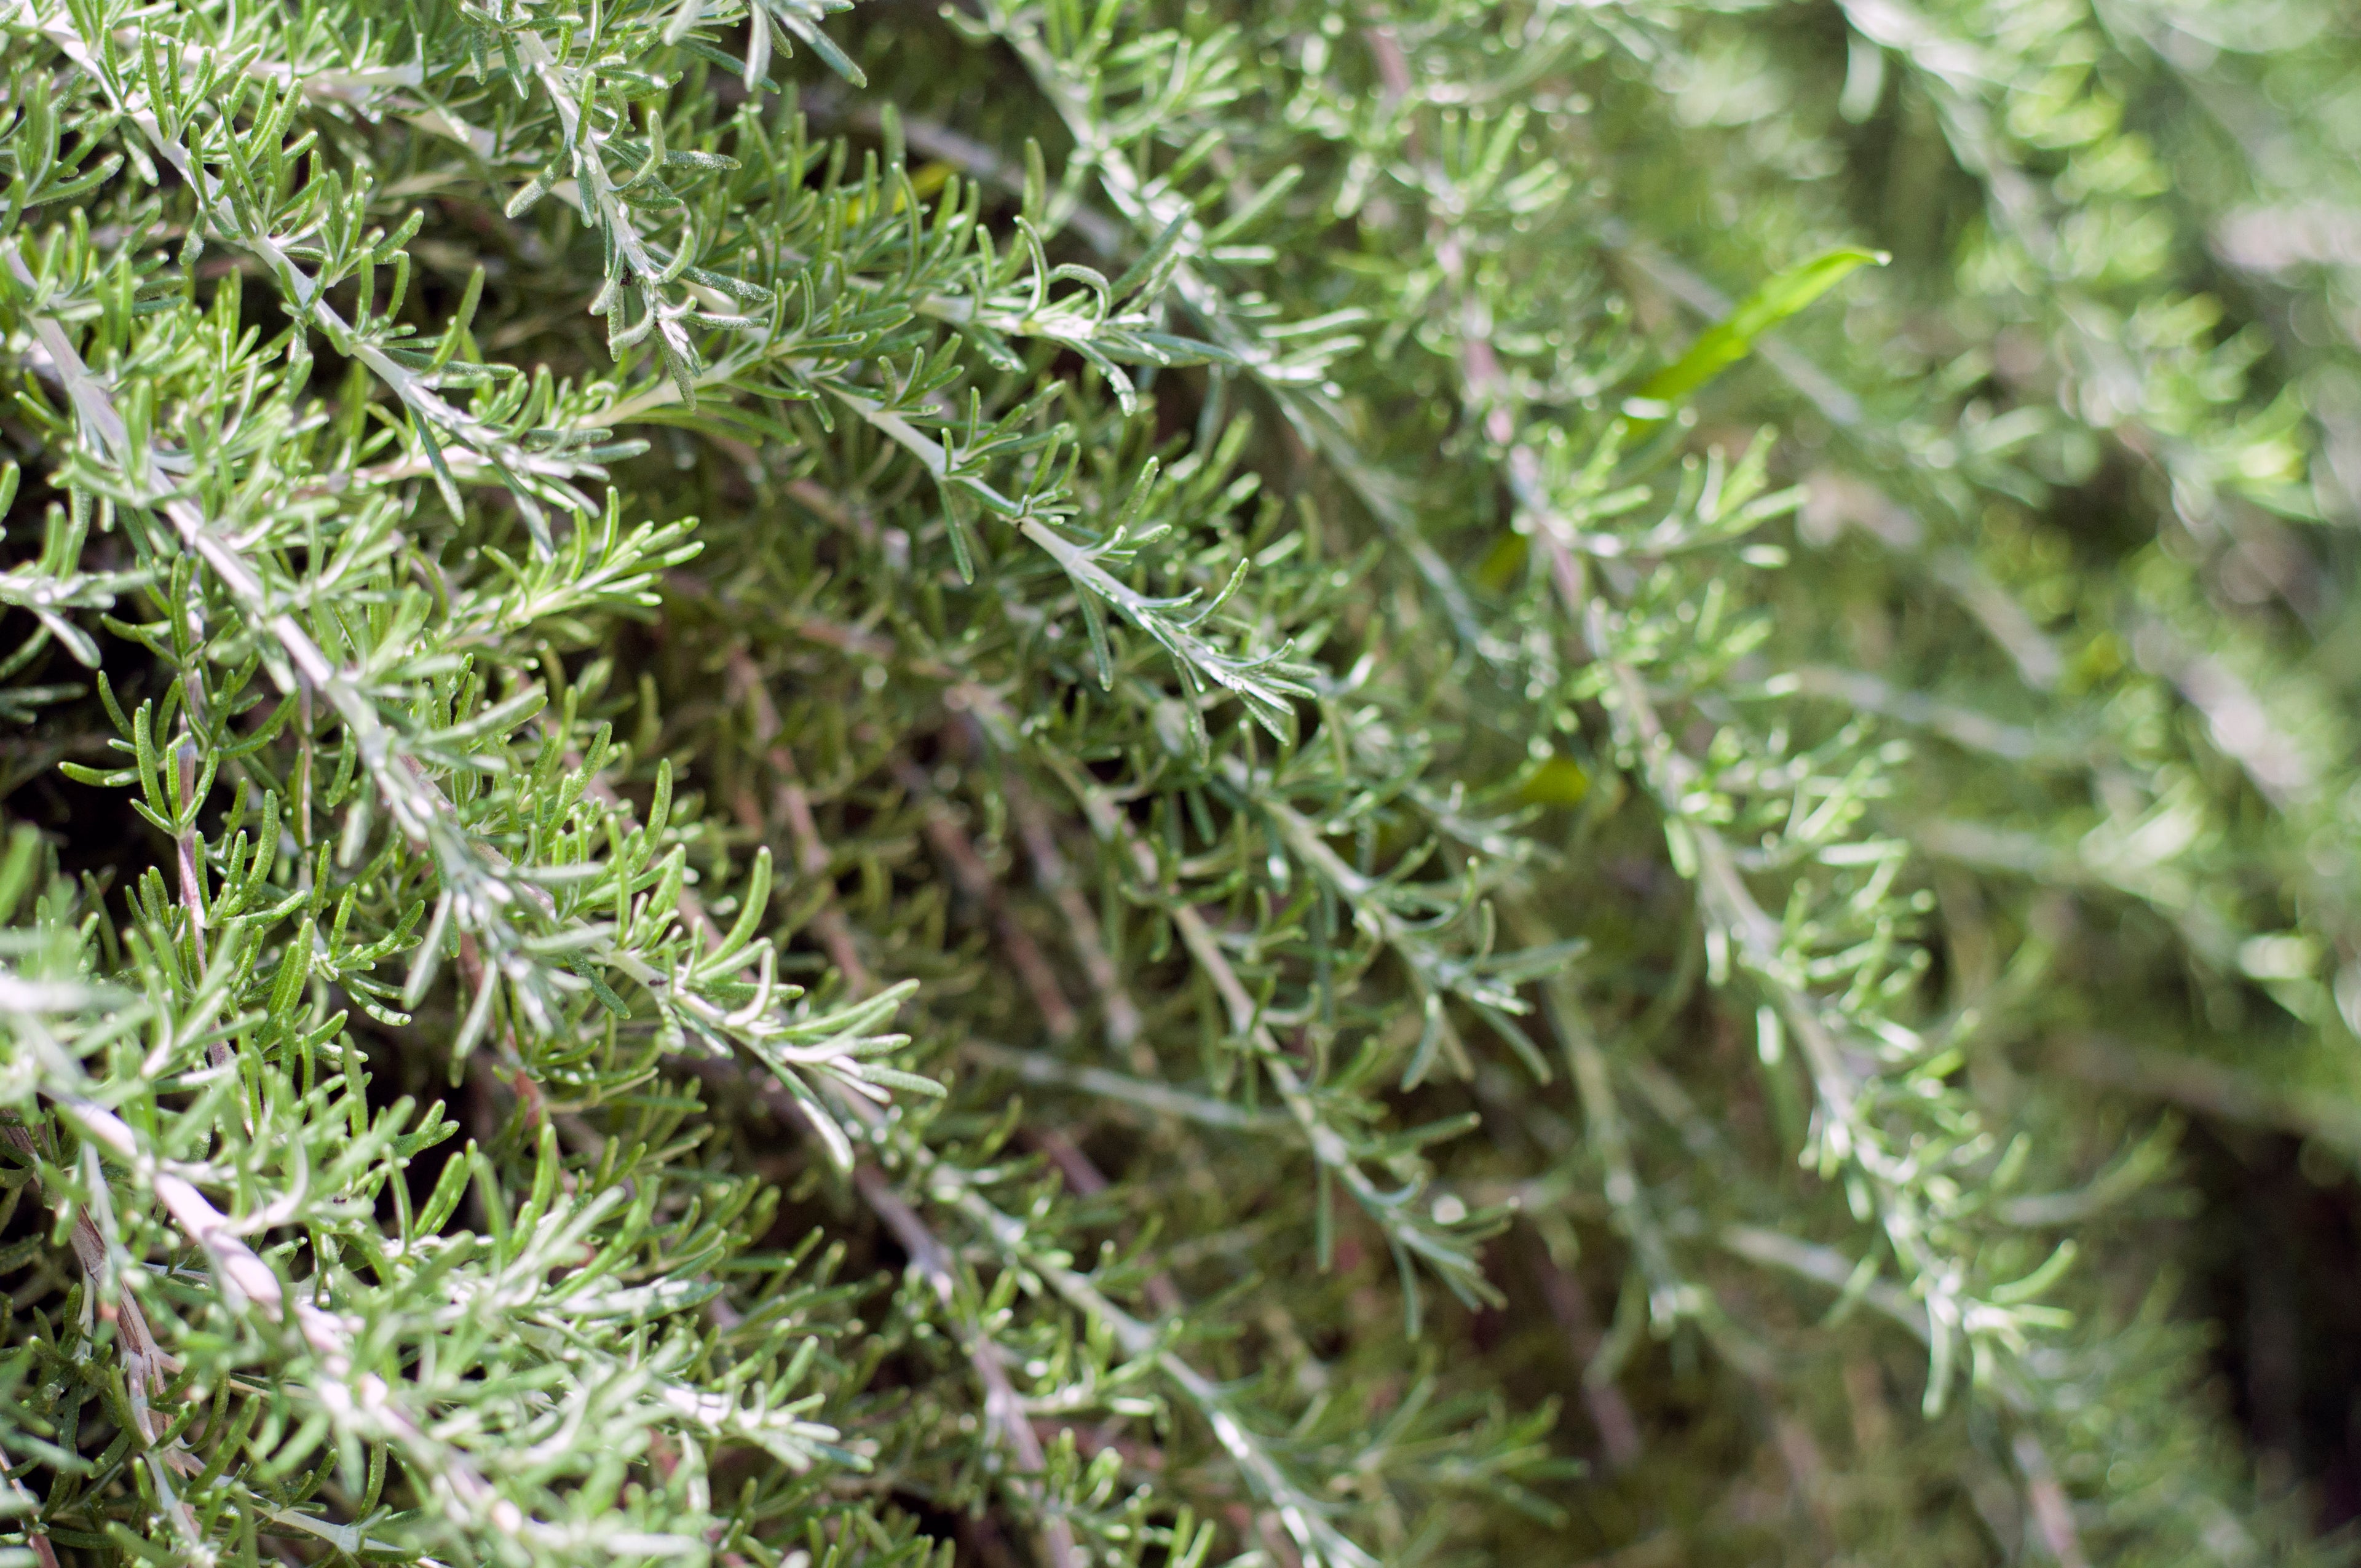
x=1733 y=339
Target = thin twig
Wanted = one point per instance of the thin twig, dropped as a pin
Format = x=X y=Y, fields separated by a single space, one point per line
x=1083 y=928
x=1808 y=1468
x=1004 y=1411
x=1611 y=1413
x=980 y=162
x=147 y=1367
x=1327 y=1147
x=1303 y=1518
x=472 y=981
x=246 y=1281
x=193 y=887
x=977 y=882
x=1082 y=1174
x=34 y=1536
x=2053 y=1514
x=790 y=801
x=1149 y=1094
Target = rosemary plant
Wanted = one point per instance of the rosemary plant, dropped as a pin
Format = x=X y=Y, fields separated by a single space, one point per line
x=1151 y=784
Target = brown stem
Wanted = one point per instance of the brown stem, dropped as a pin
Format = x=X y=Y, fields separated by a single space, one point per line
x=473 y=979
x=977 y=159
x=1393 y=68
x=977 y=882
x=1808 y=1468
x=811 y=858
x=1082 y=1174
x=34 y=1536
x=1083 y=930
x=1611 y=1413
x=1252 y=1526
x=2053 y=1514
x=193 y=885
x=1004 y=1416
x=147 y=1367
x=302 y=802
x=1004 y=1411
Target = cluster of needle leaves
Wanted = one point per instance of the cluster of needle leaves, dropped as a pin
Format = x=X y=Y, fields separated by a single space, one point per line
x=1096 y=782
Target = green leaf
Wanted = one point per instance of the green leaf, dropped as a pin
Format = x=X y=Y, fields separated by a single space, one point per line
x=1733 y=339
x=1559 y=780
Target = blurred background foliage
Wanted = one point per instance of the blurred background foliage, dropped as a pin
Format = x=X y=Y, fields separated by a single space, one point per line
x=1739 y=944
x=2084 y=481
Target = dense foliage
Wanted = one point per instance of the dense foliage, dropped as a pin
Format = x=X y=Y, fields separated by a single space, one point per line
x=1133 y=782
